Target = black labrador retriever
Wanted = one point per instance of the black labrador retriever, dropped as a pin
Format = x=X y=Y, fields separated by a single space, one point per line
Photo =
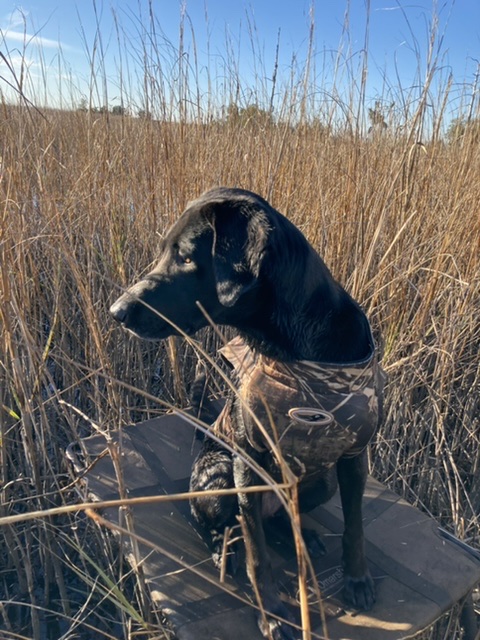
x=236 y=258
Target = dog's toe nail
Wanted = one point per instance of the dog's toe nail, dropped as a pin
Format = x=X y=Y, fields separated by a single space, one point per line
x=359 y=592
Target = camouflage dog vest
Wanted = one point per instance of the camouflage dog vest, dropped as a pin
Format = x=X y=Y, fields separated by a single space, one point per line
x=315 y=412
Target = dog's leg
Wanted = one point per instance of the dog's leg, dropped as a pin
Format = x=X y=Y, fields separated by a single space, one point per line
x=259 y=568
x=281 y=525
x=203 y=408
x=359 y=589
x=213 y=470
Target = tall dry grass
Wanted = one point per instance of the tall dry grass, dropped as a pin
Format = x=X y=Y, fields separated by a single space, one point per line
x=84 y=198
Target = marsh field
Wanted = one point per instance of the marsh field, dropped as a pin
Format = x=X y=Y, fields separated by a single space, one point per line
x=85 y=195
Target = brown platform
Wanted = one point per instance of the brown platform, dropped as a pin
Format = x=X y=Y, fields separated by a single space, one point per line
x=420 y=573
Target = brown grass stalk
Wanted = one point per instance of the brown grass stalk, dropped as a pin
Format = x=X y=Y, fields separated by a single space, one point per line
x=84 y=198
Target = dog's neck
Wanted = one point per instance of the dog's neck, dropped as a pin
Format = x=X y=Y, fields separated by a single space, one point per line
x=316 y=320
x=339 y=336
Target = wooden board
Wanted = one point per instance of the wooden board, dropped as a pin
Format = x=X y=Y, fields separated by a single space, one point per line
x=420 y=574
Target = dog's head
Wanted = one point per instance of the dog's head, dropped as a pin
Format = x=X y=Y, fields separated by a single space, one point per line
x=209 y=261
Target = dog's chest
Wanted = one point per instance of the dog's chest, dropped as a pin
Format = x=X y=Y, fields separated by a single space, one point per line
x=313 y=413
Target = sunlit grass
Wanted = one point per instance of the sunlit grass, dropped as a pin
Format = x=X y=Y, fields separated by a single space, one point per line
x=84 y=197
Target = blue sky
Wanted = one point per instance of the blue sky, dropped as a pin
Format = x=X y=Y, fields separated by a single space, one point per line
x=58 y=41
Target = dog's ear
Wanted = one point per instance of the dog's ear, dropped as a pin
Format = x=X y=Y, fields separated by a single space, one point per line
x=240 y=238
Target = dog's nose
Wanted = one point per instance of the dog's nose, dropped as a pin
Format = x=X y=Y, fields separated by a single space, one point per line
x=118 y=311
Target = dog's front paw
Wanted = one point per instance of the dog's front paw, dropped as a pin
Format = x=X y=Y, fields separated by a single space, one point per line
x=274 y=629
x=359 y=592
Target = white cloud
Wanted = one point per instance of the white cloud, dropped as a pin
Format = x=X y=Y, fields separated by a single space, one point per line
x=9 y=31
x=17 y=62
x=16 y=18
x=18 y=36
x=22 y=59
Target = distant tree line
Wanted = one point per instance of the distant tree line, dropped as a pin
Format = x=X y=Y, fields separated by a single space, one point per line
x=253 y=116
x=117 y=110
x=464 y=129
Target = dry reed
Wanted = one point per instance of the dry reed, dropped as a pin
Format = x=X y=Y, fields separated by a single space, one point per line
x=83 y=199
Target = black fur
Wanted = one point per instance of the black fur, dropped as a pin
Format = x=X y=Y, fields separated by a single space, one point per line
x=252 y=269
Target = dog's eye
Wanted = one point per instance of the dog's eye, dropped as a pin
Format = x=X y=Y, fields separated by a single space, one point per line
x=180 y=257
x=184 y=259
